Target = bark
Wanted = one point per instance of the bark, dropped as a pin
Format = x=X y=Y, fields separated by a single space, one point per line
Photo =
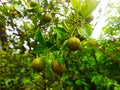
x=3 y=37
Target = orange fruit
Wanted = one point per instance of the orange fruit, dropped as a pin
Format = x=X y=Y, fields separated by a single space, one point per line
x=89 y=18
x=73 y=43
x=38 y=64
x=47 y=17
x=14 y=12
x=58 y=68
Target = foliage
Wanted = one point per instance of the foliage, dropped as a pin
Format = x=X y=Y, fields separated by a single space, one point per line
x=111 y=30
x=94 y=65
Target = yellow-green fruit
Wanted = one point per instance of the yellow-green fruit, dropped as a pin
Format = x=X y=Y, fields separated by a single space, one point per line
x=58 y=68
x=73 y=43
x=14 y=13
x=38 y=64
x=47 y=17
x=89 y=18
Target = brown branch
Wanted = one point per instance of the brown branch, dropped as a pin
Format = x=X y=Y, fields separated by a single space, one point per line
x=94 y=56
x=109 y=55
x=104 y=52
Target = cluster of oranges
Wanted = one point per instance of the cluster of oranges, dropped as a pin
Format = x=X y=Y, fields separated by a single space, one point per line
x=39 y=63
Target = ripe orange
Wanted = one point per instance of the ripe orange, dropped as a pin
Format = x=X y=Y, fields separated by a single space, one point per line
x=58 y=68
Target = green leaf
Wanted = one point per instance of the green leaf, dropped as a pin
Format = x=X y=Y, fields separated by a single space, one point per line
x=87 y=7
x=76 y=4
x=80 y=82
x=60 y=59
x=61 y=32
x=117 y=87
x=26 y=81
x=38 y=49
x=86 y=30
x=97 y=79
x=26 y=27
x=40 y=38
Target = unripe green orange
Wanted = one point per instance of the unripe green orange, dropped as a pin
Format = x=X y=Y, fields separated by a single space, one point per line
x=89 y=18
x=73 y=43
x=38 y=64
x=47 y=17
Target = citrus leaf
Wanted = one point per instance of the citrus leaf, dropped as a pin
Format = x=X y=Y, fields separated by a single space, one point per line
x=26 y=81
x=88 y=7
x=61 y=32
x=38 y=49
x=76 y=4
x=40 y=38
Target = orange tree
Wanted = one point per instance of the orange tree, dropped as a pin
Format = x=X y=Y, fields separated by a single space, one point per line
x=46 y=45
